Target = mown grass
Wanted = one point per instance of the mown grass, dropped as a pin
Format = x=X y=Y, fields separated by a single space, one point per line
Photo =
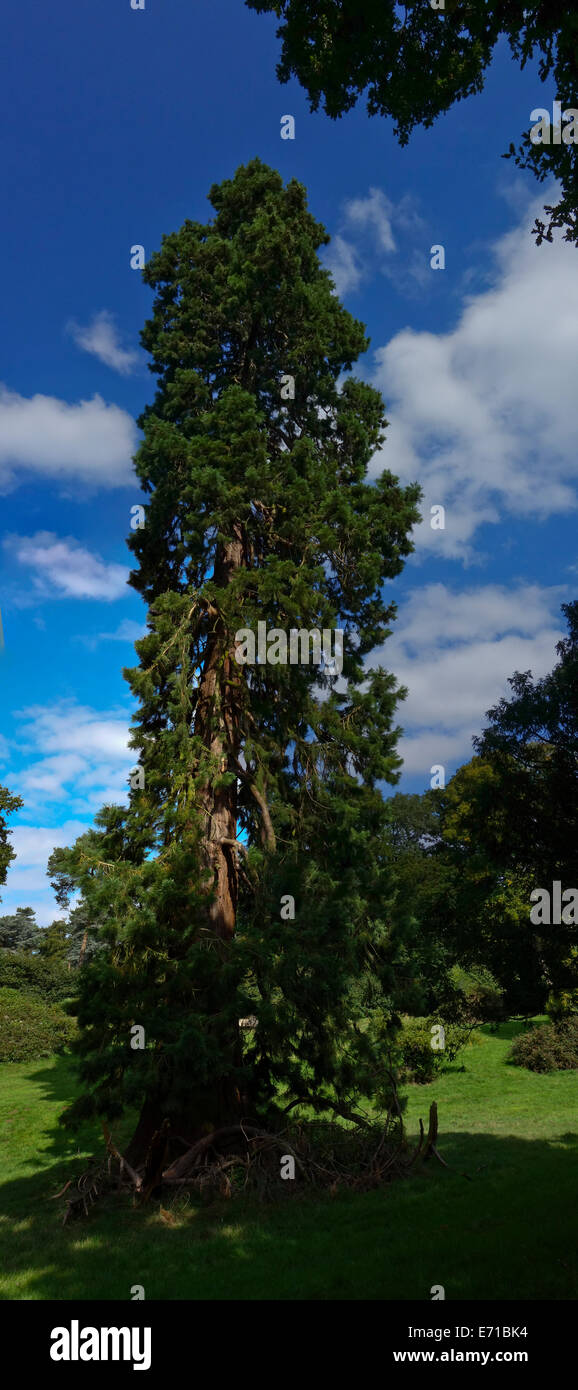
x=499 y=1223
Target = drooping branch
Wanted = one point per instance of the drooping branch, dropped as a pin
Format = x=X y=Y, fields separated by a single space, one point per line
x=270 y=838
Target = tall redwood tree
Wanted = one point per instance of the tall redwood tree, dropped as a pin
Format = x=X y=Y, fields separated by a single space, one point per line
x=247 y=875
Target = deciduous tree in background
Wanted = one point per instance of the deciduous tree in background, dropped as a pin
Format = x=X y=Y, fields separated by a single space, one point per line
x=472 y=854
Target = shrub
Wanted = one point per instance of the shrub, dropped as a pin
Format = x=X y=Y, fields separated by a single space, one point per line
x=416 y=1059
x=48 y=980
x=30 y=1028
x=551 y=1047
x=481 y=998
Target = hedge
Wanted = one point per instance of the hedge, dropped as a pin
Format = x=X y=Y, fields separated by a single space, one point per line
x=30 y=1028
x=48 y=980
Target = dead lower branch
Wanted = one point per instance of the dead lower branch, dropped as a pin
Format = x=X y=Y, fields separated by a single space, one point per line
x=323 y=1154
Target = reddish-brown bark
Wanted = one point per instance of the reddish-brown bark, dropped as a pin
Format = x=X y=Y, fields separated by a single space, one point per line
x=217 y=722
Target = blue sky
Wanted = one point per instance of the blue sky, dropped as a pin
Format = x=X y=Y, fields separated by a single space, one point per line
x=115 y=123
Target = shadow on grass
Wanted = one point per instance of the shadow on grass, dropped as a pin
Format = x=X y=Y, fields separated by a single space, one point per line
x=499 y=1223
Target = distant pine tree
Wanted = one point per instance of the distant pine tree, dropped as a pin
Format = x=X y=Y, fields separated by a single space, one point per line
x=248 y=874
x=19 y=931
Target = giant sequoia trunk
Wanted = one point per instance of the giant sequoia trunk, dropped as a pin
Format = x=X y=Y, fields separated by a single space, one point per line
x=217 y=722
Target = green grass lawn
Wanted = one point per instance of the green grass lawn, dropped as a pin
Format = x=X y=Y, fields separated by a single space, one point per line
x=508 y=1230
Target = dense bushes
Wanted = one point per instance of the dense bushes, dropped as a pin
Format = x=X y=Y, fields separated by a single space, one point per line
x=416 y=1059
x=44 y=979
x=31 y=1028
x=552 y=1047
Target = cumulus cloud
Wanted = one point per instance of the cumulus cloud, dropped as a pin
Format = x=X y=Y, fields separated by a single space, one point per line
x=485 y=416
x=374 y=213
x=68 y=727
x=88 y=443
x=33 y=844
x=454 y=652
x=100 y=337
x=367 y=243
x=62 y=568
x=345 y=265
x=72 y=755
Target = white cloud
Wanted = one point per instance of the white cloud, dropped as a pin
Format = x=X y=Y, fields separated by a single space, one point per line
x=374 y=213
x=127 y=631
x=100 y=337
x=455 y=652
x=73 y=755
x=63 y=568
x=434 y=617
x=345 y=265
x=50 y=778
x=88 y=443
x=370 y=221
x=34 y=844
x=69 y=727
x=485 y=417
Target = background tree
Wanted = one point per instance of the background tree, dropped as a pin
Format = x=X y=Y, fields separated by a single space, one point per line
x=8 y=805
x=505 y=824
x=414 y=62
x=487 y=922
x=19 y=930
x=422 y=903
x=82 y=942
x=531 y=744
x=53 y=942
x=79 y=931
x=257 y=511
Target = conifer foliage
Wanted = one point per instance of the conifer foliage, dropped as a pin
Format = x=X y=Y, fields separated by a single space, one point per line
x=247 y=875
